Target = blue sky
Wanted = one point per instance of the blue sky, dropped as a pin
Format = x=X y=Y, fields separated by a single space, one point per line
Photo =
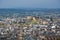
x=29 y=3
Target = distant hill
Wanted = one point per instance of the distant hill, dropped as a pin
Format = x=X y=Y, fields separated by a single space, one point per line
x=28 y=11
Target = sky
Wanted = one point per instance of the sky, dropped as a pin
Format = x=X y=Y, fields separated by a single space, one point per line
x=29 y=3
